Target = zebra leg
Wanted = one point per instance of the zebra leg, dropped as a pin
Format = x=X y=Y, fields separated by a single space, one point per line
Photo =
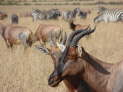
x=106 y=20
x=34 y=18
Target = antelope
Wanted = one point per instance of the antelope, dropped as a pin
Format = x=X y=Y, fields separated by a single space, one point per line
x=44 y=31
x=14 y=34
x=73 y=83
x=100 y=76
x=75 y=27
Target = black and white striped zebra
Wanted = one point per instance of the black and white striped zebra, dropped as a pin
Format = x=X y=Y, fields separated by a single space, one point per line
x=109 y=15
x=53 y=14
x=38 y=15
x=70 y=15
x=41 y=15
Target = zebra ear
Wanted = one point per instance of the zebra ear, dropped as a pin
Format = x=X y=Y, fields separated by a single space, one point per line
x=61 y=46
x=43 y=49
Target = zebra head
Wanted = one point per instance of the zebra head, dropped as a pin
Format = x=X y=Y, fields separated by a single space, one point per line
x=98 y=19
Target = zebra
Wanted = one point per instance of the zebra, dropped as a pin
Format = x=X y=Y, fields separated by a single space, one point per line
x=50 y=14
x=53 y=14
x=80 y=13
x=38 y=14
x=69 y=15
x=109 y=15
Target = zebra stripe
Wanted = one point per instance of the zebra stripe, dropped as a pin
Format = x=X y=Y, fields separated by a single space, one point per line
x=109 y=15
x=35 y=14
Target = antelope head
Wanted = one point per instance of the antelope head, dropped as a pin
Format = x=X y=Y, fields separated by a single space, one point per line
x=68 y=63
x=65 y=56
x=56 y=48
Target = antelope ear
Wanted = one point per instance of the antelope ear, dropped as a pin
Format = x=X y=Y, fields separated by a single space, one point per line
x=61 y=46
x=79 y=50
x=43 y=49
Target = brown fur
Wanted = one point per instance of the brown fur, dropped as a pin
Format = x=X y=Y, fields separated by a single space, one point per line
x=73 y=83
x=2 y=29
x=101 y=77
x=75 y=27
x=2 y=16
x=11 y=34
x=43 y=32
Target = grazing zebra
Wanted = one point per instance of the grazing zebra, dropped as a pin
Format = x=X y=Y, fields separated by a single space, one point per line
x=109 y=15
x=50 y=14
x=80 y=13
x=69 y=15
x=37 y=14
x=53 y=14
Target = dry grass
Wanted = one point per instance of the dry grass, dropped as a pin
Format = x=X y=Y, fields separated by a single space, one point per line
x=28 y=72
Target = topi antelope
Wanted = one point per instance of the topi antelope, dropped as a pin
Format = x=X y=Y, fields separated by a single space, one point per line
x=44 y=31
x=100 y=76
x=74 y=83
x=16 y=35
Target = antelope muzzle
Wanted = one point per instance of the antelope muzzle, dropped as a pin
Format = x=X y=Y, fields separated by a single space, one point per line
x=54 y=79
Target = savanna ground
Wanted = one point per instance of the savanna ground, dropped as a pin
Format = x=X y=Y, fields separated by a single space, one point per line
x=28 y=71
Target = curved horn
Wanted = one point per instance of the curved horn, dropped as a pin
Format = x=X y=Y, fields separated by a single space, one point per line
x=52 y=39
x=79 y=36
x=64 y=38
x=73 y=34
x=69 y=41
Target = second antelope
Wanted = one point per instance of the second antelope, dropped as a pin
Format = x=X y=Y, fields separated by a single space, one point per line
x=16 y=35
x=44 y=31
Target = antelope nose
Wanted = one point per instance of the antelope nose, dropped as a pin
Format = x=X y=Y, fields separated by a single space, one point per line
x=50 y=81
x=52 y=78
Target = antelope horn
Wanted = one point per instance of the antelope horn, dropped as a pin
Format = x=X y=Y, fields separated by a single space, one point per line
x=52 y=40
x=69 y=41
x=79 y=36
x=73 y=34
x=64 y=38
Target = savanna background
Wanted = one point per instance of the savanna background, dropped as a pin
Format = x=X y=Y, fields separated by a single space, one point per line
x=28 y=71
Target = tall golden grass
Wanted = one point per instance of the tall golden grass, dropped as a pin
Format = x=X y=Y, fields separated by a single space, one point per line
x=28 y=71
